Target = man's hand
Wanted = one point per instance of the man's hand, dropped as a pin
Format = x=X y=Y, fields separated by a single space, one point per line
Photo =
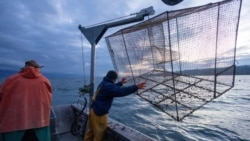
x=124 y=80
x=141 y=85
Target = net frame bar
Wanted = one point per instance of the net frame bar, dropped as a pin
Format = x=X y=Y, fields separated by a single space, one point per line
x=176 y=86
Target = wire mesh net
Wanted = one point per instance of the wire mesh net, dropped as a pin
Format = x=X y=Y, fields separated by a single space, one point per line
x=186 y=57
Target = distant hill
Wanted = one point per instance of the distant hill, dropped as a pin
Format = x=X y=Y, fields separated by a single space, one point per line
x=243 y=70
x=6 y=73
x=60 y=75
x=240 y=70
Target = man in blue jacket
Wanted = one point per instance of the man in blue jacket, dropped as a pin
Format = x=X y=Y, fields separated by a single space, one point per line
x=102 y=101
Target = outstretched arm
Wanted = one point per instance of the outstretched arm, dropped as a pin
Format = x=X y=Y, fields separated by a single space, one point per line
x=120 y=91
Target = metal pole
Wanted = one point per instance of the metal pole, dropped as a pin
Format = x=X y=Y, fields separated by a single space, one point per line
x=216 y=49
x=92 y=73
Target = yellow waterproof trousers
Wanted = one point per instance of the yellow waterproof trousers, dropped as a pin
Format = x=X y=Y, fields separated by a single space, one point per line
x=96 y=127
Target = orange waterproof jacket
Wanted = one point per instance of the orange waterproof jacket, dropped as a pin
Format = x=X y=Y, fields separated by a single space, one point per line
x=25 y=101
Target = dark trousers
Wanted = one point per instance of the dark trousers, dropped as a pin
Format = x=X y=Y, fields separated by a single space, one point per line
x=36 y=134
x=30 y=135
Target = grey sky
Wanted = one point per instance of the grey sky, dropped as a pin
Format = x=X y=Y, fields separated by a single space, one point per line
x=47 y=31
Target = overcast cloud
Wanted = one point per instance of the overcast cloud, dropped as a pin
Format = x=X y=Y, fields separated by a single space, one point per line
x=47 y=31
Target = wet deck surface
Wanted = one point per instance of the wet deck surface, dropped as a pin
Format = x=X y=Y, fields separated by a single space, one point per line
x=63 y=117
x=117 y=131
x=65 y=137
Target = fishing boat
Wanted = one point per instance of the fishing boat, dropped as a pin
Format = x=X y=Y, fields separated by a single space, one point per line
x=181 y=54
x=157 y=51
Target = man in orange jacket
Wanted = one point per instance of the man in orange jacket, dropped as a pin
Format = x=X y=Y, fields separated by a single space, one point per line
x=25 y=105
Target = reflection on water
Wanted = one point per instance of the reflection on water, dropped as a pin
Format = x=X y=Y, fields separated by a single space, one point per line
x=225 y=118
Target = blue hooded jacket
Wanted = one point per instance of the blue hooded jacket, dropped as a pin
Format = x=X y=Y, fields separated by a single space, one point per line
x=107 y=92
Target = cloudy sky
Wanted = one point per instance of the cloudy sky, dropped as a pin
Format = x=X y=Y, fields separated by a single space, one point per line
x=47 y=31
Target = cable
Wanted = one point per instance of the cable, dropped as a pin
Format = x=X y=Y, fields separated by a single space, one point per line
x=83 y=62
x=77 y=127
x=109 y=21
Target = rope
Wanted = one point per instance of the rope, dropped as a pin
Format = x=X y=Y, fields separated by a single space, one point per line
x=85 y=88
x=109 y=21
x=83 y=63
x=78 y=126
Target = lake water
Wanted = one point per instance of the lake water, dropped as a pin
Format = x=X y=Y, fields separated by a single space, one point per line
x=226 y=118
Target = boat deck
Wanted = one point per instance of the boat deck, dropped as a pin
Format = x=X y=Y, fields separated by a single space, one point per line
x=64 y=115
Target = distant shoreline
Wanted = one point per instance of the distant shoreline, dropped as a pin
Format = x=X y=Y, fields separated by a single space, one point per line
x=240 y=70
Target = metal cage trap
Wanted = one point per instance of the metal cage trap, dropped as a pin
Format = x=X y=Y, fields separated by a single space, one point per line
x=186 y=57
